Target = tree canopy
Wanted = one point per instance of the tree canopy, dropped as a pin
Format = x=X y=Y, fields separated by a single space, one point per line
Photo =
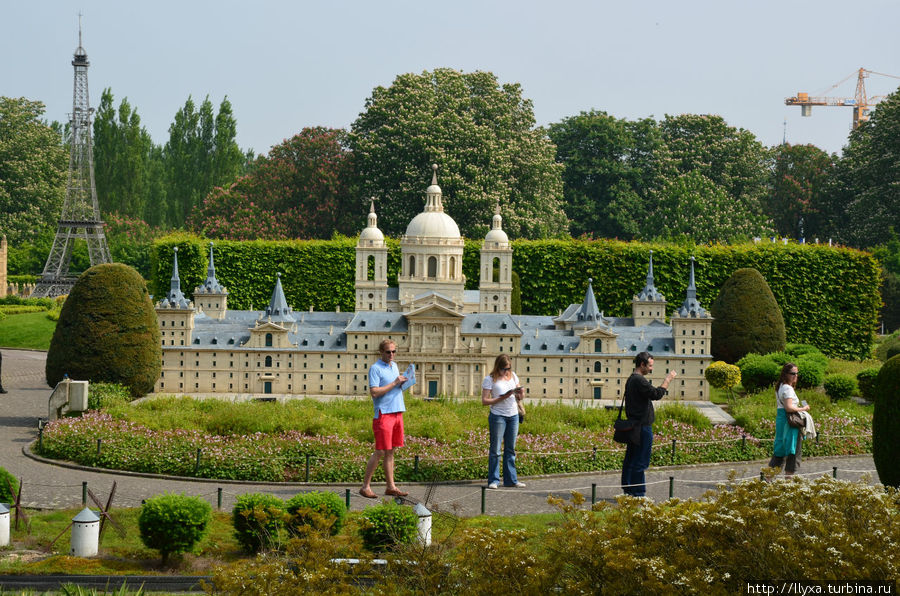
x=301 y=189
x=800 y=175
x=482 y=135
x=33 y=166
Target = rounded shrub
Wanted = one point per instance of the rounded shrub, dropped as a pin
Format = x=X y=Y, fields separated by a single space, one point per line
x=811 y=370
x=314 y=508
x=258 y=520
x=7 y=479
x=758 y=372
x=746 y=318
x=107 y=332
x=387 y=524
x=722 y=375
x=892 y=350
x=173 y=523
x=840 y=386
x=886 y=423
x=865 y=379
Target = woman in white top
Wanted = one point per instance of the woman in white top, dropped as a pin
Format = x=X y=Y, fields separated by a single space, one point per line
x=787 y=446
x=500 y=390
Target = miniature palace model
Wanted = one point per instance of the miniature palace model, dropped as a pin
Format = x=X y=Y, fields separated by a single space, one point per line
x=451 y=334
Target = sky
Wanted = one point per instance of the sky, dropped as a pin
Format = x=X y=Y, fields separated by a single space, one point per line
x=285 y=65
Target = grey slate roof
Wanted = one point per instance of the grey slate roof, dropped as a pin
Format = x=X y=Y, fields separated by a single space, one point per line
x=175 y=298
x=691 y=306
x=211 y=285
x=650 y=293
x=278 y=310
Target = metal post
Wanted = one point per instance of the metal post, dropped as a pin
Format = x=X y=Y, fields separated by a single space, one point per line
x=219 y=498
x=671 y=486
x=99 y=442
x=762 y=476
x=84 y=493
x=593 y=492
x=483 y=490
x=594 y=454
x=307 y=467
x=743 y=443
x=40 y=439
x=197 y=463
x=347 y=498
x=416 y=466
x=834 y=472
x=673 y=452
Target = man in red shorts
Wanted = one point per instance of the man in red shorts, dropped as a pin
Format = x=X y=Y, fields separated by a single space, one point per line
x=387 y=398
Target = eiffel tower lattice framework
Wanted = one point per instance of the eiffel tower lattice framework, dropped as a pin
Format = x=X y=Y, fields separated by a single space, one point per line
x=80 y=214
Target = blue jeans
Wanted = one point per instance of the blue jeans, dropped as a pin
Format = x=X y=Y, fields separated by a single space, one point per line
x=505 y=429
x=637 y=459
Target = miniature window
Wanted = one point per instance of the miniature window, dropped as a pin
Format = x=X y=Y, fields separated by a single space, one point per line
x=268 y=340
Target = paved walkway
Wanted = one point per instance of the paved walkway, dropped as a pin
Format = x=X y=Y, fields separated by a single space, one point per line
x=50 y=486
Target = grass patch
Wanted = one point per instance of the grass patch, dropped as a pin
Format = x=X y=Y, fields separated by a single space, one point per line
x=30 y=330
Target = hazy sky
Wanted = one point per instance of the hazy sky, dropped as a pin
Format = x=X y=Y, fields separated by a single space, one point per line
x=286 y=65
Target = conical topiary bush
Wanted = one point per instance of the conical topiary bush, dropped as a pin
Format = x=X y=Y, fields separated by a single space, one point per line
x=746 y=318
x=107 y=332
x=886 y=423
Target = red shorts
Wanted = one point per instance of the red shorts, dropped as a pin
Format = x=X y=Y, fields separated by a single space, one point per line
x=388 y=429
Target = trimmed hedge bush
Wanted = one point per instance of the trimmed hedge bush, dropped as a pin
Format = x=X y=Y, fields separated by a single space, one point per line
x=840 y=386
x=865 y=379
x=387 y=524
x=746 y=318
x=258 y=520
x=107 y=332
x=886 y=423
x=811 y=370
x=306 y=509
x=173 y=523
x=722 y=375
x=758 y=372
x=5 y=480
x=828 y=295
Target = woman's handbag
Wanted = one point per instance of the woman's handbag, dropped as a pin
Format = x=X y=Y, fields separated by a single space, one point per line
x=795 y=420
x=626 y=431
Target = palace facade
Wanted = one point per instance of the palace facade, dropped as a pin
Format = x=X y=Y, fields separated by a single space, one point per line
x=451 y=334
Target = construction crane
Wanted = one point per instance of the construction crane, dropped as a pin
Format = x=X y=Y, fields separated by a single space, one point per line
x=860 y=103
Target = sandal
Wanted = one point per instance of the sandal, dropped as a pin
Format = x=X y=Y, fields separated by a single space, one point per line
x=395 y=492
x=367 y=493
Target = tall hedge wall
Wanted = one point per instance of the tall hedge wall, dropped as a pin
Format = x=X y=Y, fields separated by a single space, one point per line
x=828 y=295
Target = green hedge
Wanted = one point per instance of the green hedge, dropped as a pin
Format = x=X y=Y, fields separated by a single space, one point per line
x=829 y=296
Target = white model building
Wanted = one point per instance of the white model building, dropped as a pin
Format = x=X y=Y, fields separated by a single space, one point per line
x=451 y=334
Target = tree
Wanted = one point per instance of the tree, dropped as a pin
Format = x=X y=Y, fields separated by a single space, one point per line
x=694 y=208
x=123 y=150
x=886 y=423
x=33 y=166
x=746 y=318
x=107 y=331
x=867 y=181
x=797 y=202
x=300 y=190
x=201 y=154
x=732 y=159
x=481 y=134
x=612 y=166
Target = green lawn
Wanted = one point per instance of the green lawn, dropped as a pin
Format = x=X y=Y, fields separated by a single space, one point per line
x=29 y=330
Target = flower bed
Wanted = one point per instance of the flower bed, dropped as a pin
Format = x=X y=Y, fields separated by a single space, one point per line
x=283 y=456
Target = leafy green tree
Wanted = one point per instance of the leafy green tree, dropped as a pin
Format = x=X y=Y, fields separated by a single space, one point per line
x=201 y=154
x=107 y=331
x=867 y=182
x=482 y=135
x=33 y=166
x=612 y=166
x=300 y=190
x=797 y=202
x=732 y=159
x=123 y=150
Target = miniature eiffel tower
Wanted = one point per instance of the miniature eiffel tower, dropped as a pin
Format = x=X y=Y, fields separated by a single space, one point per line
x=80 y=216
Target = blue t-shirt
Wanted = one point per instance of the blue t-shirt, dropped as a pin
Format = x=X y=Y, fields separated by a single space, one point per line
x=381 y=374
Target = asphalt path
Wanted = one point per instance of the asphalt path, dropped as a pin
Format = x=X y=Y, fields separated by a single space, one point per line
x=50 y=485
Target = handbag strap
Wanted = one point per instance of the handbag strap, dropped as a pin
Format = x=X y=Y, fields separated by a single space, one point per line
x=621 y=405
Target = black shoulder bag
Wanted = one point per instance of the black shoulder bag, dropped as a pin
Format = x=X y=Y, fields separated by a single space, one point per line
x=624 y=430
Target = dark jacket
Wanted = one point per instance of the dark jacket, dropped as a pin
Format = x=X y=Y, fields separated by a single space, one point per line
x=639 y=398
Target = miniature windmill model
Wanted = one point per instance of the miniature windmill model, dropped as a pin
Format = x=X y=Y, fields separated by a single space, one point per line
x=80 y=214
